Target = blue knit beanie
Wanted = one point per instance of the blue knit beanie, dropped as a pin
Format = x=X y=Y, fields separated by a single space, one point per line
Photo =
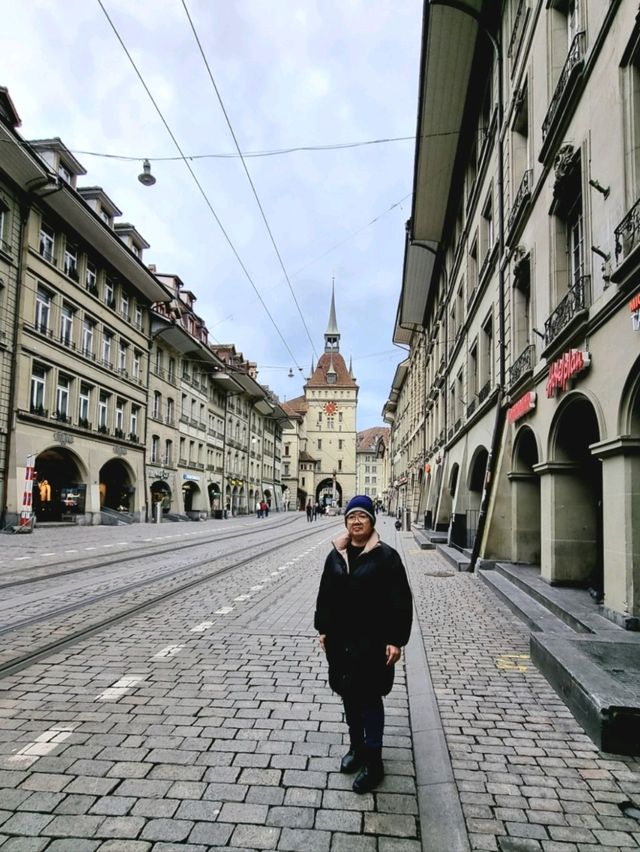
x=361 y=503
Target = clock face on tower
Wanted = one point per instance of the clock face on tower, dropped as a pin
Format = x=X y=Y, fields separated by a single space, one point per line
x=330 y=408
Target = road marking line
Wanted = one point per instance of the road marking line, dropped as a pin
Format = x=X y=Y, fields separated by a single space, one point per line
x=90 y=548
x=48 y=554
x=200 y=628
x=119 y=688
x=111 y=545
x=224 y=611
x=255 y=588
x=71 y=551
x=274 y=573
x=169 y=651
x=47 y=742
x=242 y=598
x=18 y=558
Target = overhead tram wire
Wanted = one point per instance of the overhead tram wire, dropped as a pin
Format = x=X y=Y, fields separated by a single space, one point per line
x=198 y=184
x=246 y=171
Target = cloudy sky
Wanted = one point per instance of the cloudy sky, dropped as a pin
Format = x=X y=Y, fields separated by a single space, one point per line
x=289 y=74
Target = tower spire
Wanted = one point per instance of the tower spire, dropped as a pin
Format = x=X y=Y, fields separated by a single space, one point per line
x=332 y=335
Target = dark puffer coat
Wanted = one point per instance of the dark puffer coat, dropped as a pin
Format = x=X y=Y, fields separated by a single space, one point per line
x=361 y=609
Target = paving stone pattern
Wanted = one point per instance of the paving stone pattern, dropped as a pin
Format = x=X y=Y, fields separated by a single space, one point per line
x=529 y=778
x=161 y=734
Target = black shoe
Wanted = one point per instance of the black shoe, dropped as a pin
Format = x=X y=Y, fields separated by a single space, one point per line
x=369 y=776
x=352 y=761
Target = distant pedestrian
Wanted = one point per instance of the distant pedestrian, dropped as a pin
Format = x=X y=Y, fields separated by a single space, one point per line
x=363 y=615
x=316 y=511
x=258 y=509
x=309 y=512
x=264 y=509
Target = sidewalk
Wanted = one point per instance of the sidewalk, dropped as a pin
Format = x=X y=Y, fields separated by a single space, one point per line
x=528 y=777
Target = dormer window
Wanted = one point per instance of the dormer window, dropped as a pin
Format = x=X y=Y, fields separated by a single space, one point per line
x=105 y=216
x=65 y=174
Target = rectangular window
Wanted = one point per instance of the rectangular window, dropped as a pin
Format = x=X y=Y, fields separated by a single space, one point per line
x=47 y=242
x=70 y=261
x=91 y=278
x=287 y=449
x=103 y=411
x=43 y=310
x=109 y=293
x=133 y=421
x=62 y=398
x=38 y=389
x=319 y=443
x=87 y=338
x=340 y=443
x=135 y=366
x=66 y=326
x=124 y=305
x=339 y=464
x=137 y=316
x=122 y=357
x=171 y=372
x=4 y=230
x=168 y=452
x=119 y=423
x=84 y=405
x=155 y=449
x=107 y=350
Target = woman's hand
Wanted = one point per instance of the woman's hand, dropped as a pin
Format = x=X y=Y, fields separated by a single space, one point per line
x=322 y=638
x=393 y=654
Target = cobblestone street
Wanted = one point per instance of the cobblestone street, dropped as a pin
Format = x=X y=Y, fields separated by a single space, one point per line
x=207 y=723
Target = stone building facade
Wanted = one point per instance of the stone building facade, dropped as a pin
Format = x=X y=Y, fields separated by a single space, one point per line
x=520 y=285
x=113 y=403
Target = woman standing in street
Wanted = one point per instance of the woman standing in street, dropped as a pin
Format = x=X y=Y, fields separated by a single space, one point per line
x=363 y=615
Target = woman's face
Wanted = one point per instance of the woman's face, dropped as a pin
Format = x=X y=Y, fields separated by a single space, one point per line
x=359 y=527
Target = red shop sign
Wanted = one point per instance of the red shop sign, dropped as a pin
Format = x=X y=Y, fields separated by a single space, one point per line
x=523 y=406
x=565 y=368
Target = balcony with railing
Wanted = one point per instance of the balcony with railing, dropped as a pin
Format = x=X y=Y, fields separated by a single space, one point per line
x=627 y=240
x=523 y=365
x=567 y=82
x=484 y=392
x=571 y=309
x=523 y=196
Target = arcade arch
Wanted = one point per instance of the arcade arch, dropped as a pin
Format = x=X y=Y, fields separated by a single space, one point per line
x=573 y=549
x=525 y=498
x=60 y=484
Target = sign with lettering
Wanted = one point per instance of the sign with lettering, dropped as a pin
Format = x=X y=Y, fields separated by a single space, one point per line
x=522 y=407
x=566 y=368
x=190 y=477
x=634 y=307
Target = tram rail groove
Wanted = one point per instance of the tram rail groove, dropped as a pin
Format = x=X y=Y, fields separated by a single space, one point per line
x=90 y=565
x=20 y=663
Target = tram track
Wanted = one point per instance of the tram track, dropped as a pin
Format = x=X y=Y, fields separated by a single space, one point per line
x=89 y=563
x=37 y=648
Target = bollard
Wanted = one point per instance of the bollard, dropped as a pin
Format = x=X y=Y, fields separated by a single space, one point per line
x=157 y=511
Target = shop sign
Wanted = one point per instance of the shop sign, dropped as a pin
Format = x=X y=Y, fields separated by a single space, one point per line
x=63 y=437
x=634 y=307
x=522 y=407
x=158 y=474
x=190 y=477
x=566 y=368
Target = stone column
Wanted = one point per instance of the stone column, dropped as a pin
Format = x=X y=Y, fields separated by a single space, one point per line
x=620 y=458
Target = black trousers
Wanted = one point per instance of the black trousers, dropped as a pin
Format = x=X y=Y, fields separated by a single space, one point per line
x=365 y=718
